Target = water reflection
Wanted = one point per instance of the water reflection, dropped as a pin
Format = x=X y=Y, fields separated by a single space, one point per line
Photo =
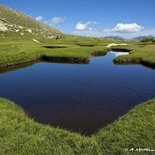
x=82 y=98
x=120 y=53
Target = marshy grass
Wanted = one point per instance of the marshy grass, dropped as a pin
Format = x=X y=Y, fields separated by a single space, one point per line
x=12 y=53
x=139 y=54
x=19 y=134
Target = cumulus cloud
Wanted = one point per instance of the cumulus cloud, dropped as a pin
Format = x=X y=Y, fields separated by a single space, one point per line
x=39 y=18
x=127 y=28
x=109 y=32
x=85 y=26
x=55 y=21
x=81 y=26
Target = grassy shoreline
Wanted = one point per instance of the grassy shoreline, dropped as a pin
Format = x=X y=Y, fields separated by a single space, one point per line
x=19 y=134
x=22 y=52
x=15 y=53
x=139 y=54
x=25 y=41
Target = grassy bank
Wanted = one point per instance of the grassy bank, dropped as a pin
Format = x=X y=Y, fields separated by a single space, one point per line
x=139 y=54
x=19 y=52
x=21 y=135
x=12 y=53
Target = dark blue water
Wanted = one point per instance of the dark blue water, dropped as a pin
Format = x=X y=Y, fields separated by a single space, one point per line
x=82 y=98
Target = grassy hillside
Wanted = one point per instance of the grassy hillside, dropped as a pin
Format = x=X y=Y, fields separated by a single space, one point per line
x=21 y=135
x=23 y=39
x=14 y=24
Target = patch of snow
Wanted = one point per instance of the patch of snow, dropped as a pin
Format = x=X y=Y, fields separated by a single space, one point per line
x=20 y=27
x=29 y=30
x=17 y=30
x=22 y=34
x=3 y=27
x=36 y=40
x=113 y=44
x=51 y=37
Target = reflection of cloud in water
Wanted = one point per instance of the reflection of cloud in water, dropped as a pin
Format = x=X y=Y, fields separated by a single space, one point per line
x=119 y=53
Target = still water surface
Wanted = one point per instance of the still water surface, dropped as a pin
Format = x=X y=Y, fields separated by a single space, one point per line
x=81 y=98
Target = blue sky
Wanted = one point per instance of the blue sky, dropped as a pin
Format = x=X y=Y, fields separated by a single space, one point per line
x=127 y=18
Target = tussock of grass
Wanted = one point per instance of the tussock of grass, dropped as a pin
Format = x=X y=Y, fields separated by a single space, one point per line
x=134 y=130
x=25 y=51
x=19 y=52
x=139 y=54
x=21 y=135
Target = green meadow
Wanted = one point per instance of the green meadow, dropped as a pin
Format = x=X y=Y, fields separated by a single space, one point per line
x=24 y=40
x=139 y=54
x=19 y=134
x=76 y=51
x=15 y=52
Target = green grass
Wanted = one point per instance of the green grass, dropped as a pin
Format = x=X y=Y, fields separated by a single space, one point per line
x=140 y=54
x=24 y=51
x=15 y=52
x=16 y=48
x=21 y=135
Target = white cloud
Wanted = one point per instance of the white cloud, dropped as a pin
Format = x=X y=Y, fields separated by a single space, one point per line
x=39 y=18
x=55 y=21
x=127 y=28
x=109 y=32
x=85 y=26
x=81 y=26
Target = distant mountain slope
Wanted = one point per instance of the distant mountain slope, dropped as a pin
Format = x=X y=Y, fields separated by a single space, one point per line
x=18 y=25
x=115 y=37
x=140 y=38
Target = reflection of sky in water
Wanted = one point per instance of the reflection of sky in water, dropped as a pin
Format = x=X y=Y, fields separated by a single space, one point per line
x=79 y=97
x=119 y=53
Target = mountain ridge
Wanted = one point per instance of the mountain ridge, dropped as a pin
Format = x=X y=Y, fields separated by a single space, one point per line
x=15 y=24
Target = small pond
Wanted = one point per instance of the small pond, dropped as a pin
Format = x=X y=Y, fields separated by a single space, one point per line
x=81 y=98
